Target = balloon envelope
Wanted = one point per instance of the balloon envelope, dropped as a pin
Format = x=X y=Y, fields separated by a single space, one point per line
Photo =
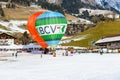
x=51 y=26
x=33 y=31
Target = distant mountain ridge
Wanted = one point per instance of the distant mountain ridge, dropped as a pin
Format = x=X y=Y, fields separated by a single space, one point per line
x=113 y=5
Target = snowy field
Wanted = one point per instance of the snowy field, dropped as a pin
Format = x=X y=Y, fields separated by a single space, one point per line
x=77 y=67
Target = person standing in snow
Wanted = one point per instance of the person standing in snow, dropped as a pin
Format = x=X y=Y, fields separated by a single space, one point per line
x=12 y=54
x=16 y=54
x=101 y=51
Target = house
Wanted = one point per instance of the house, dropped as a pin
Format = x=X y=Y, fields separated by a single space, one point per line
x=109 y=41
x=6 y=39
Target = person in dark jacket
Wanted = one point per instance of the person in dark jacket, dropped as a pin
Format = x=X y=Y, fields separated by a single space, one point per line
x=101 y=51
x=16 y=54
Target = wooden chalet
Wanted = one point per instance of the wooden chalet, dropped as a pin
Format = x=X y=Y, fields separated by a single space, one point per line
x=109 y=41
x=6 y=39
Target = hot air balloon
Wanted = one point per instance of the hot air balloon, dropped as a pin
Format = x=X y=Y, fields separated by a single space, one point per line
x=49 y=25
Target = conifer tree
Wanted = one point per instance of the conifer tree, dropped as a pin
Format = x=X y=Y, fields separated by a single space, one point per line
x=1 y=11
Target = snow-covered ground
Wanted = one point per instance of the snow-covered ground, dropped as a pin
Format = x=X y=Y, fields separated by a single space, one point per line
x=106 y=13
x=13 y=26
x=77 y=67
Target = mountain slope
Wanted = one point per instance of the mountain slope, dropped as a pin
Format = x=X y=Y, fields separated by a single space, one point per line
x=73 y=5
x=94 y=34
x=16 y=19
x=20 y=13
x=110 y=4
x=113 y=5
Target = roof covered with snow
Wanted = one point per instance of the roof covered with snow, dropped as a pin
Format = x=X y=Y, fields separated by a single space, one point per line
x=108 y=39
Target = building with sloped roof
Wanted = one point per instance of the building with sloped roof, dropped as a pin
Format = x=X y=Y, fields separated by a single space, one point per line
x=6 y=39
x=109 y=41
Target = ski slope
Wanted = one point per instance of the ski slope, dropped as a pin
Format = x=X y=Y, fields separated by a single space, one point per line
x=77 y=67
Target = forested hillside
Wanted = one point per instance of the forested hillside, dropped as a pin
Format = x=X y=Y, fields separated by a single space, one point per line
x=102 y=29
x=1 y=12
x=72 y=6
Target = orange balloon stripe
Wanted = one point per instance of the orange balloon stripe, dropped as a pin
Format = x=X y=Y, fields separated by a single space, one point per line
x=33 y=31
